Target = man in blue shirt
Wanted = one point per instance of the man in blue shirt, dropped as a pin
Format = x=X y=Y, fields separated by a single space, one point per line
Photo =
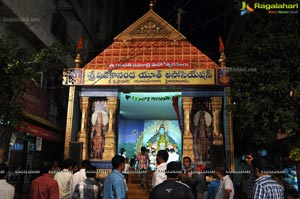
x=114 y=184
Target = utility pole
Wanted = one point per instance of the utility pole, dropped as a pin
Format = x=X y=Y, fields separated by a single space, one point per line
x=179 y=17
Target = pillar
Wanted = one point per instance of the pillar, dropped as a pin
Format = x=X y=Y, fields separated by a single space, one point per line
x=230 y=152
x=216 y=108
x=217 y=148
x=83 y=133
x=187 y=149
x=69 y=121
x=110 y=142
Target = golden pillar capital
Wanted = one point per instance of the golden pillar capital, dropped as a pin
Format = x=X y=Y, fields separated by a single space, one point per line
x=216 y=103
x=112 y=103
x=187 y=149
x=216 y=108
x=83 y=134
x=187 y=103
x=69 y=121
x=109 y=145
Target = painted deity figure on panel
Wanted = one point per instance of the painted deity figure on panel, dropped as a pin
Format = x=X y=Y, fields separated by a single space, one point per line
x=202 y=135
x=99 y=121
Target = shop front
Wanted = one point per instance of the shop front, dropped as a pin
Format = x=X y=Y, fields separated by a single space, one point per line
x=37 y=138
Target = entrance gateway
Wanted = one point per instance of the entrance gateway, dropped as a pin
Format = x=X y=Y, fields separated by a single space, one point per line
x=151 y=88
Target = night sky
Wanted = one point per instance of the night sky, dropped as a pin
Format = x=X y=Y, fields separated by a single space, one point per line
x=202 y=21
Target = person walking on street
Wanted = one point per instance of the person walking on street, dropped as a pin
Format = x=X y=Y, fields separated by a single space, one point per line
x=63 y=179
x=225 y=189
x=265 y=187
x=79 y=176
x=114 y=184
x=159 y=175
x=143 y=163
x=7 y=191
x=90 y=188
x=172 y=188
x=44 y=187
x=189 y=175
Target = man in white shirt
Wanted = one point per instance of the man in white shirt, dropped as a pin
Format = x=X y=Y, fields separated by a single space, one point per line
x=225 y=189
x=63 y=179
x=79 y=176
x=160 y=174
x=7 y=191
x=173 y=156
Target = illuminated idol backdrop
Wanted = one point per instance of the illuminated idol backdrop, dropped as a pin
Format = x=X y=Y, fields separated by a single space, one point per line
x=155 y=135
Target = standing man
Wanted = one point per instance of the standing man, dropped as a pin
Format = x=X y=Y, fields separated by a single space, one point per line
x=160 y=174
x=172 y=188
x=63 y=179
x=79 y=176
x=7 y=191
x=89 y=189
x=265 y=187
x=44 y=187
x=225 y=189
x=143 y=162
x=122 y=152
x=189 y=176
x=249 y=157
x=114 y=184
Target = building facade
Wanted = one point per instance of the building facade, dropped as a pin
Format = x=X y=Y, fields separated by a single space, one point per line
x=150 y=66
x=39 y=24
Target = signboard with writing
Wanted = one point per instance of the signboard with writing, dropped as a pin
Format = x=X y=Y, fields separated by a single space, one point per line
x=146 y=77
x=150 y=65
x=38 y=131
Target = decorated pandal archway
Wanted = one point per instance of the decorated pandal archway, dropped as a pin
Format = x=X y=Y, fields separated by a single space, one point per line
x=150 y=55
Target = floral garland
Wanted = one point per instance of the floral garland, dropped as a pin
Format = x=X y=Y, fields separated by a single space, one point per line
x=295 y=154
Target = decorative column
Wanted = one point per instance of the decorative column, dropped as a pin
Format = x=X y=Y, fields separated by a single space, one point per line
x=230 y=148
x=69 y=121
x=230 y=152
x=71 y=102
x=216 y=108
x=187 y=149
x=109 y=143
x=83 y=133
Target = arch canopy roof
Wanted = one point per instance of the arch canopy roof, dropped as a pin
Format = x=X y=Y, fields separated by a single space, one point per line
x=150 y=39
x=149 y=52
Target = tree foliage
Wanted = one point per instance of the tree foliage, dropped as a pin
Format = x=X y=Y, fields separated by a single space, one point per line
x=17 y=67
x=262 y=102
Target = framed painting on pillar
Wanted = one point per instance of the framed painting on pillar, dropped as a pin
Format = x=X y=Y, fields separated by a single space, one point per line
x=202 y=129
x=98 y=121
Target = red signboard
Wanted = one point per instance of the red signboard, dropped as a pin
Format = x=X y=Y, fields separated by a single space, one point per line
x=37 y=101
x=39 y=131
x=150 y=65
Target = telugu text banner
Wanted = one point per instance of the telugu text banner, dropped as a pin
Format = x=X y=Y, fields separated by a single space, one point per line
x=149 y=77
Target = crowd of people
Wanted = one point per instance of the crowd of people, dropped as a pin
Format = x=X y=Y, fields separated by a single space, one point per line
x=172 y=180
